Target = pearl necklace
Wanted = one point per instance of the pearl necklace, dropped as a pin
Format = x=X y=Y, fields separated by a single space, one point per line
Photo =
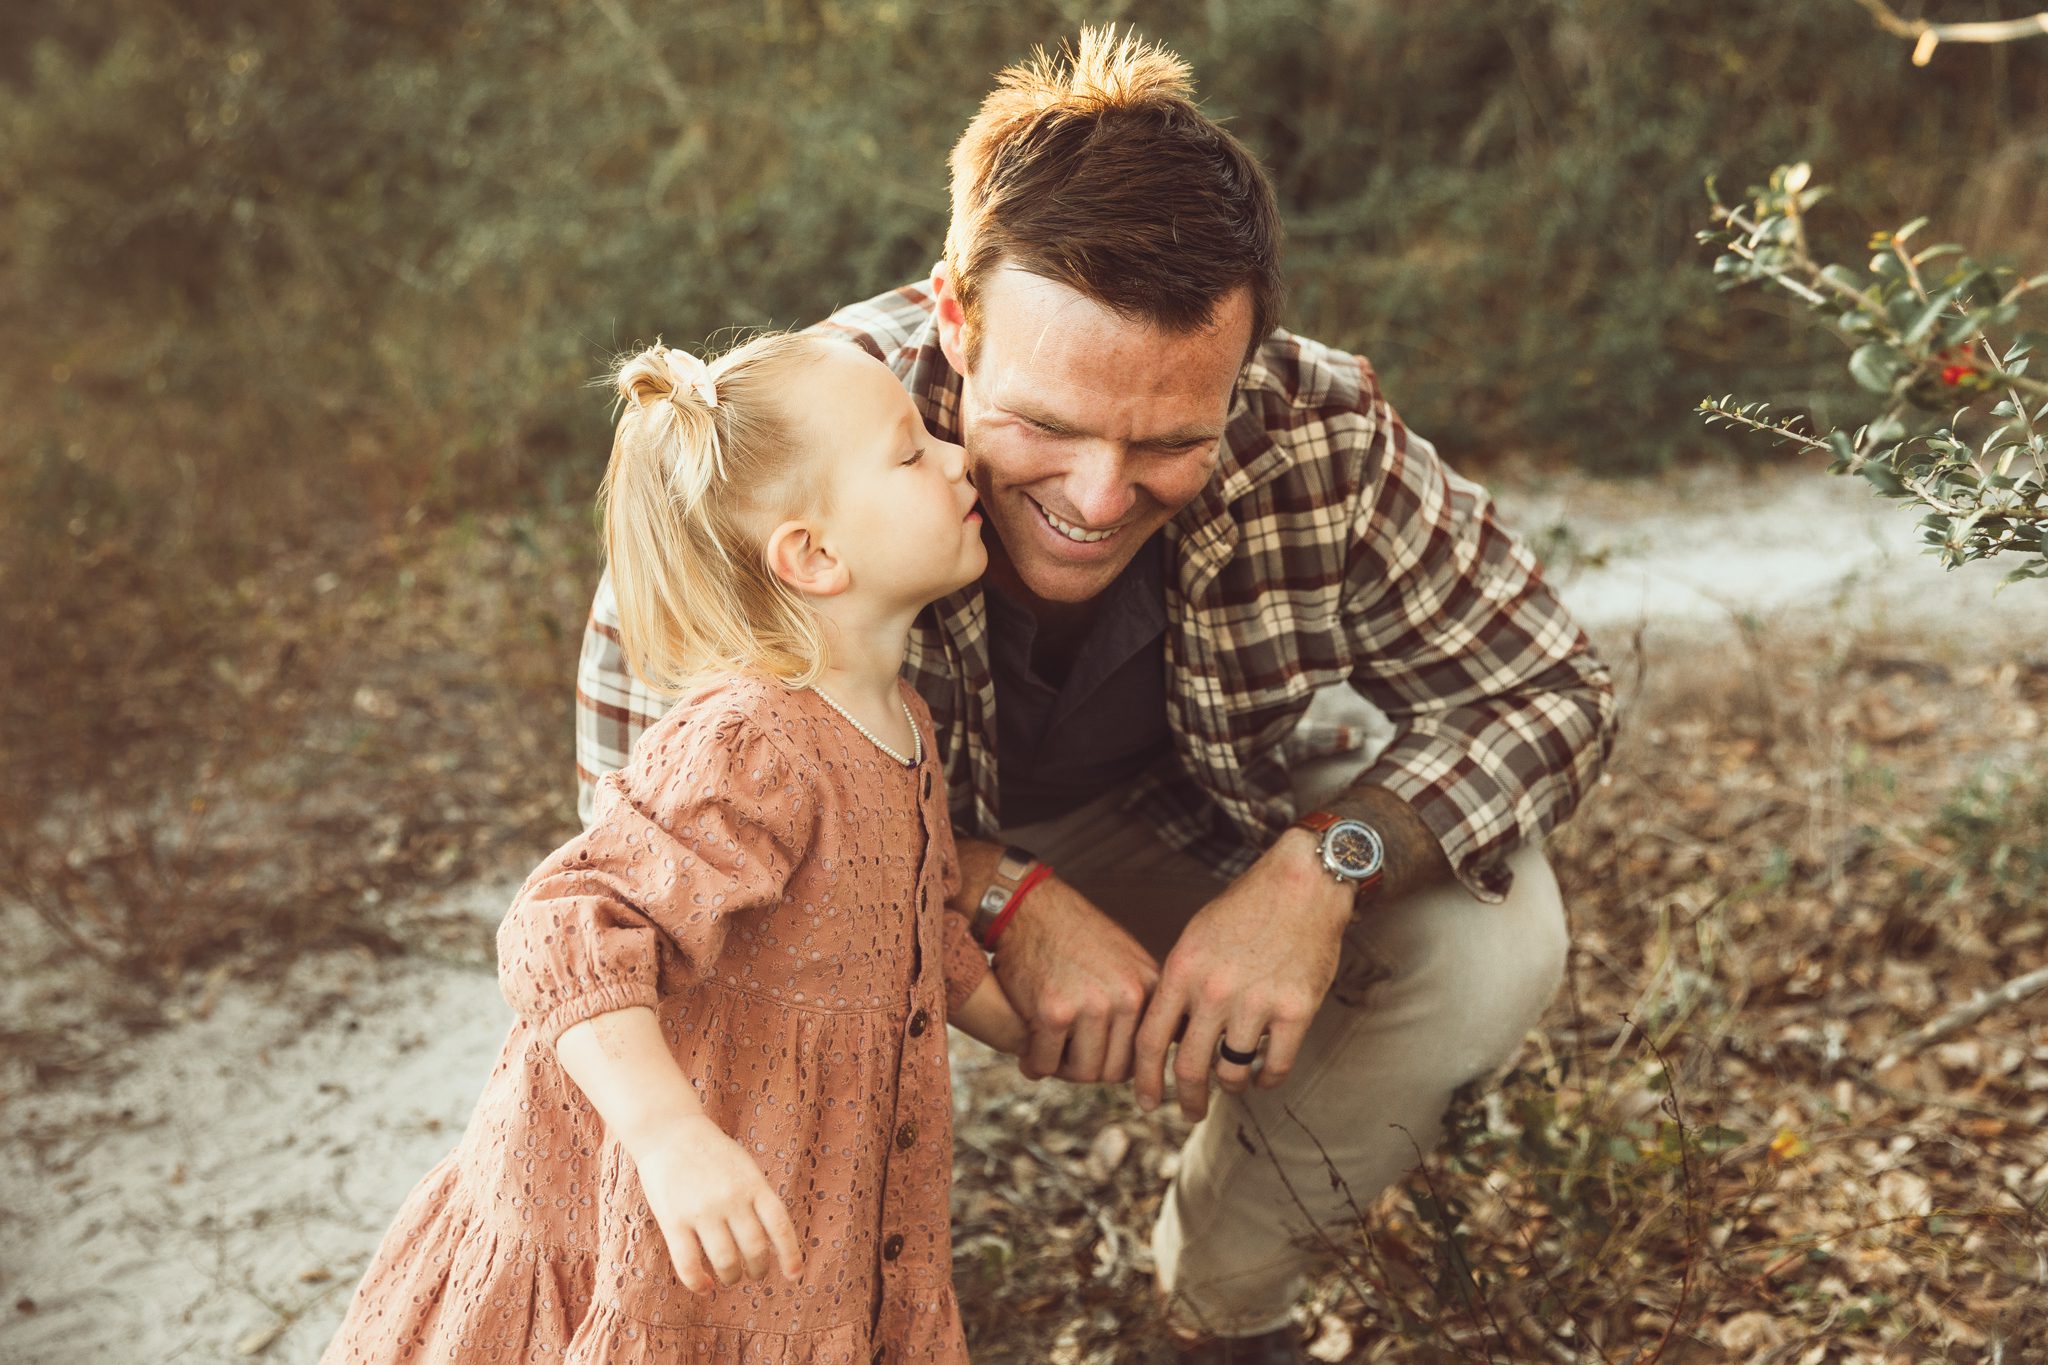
x=916 y=735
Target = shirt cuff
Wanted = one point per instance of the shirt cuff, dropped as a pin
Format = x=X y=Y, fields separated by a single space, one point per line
x=1468 y=807
x=602 y=998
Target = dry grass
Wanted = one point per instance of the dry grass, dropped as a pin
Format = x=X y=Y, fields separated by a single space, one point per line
x=219 y=774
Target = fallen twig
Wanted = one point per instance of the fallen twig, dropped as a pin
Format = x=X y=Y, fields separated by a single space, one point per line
x=1926 y=33
x=1964 y=1015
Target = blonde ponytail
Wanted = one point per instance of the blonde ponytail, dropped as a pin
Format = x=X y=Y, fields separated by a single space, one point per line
x=703 y=463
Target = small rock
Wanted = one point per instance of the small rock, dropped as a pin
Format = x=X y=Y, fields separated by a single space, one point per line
x=1333 y=1339
x=257 y=1342
x=1107 y=1152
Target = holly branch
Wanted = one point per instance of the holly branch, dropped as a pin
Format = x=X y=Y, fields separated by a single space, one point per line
x=1929 y=331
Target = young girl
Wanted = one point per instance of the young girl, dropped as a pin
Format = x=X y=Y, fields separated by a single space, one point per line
x=720 y=1129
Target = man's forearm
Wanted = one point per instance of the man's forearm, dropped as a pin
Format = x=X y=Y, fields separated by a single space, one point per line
x=1414 y=859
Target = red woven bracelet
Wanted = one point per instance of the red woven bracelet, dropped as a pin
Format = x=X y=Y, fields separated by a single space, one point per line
x=1031 y=879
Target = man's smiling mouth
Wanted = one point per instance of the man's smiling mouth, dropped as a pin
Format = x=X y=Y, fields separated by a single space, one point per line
x=1078 y=534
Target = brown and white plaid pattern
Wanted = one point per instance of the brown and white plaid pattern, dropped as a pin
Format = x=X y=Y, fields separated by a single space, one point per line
x=1331 y=546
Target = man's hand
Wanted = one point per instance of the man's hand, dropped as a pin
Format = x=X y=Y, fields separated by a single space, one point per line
x=1255 y=961
x=1080 y=981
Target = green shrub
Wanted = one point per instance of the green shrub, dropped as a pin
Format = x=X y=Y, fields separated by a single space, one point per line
x=430 y=223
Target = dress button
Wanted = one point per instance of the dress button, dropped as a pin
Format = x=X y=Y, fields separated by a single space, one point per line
x=892 y=1248
x=907 y=1134
x=918 y=1022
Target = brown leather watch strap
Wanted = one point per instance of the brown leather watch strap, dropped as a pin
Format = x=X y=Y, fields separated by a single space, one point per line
x=1318 y=822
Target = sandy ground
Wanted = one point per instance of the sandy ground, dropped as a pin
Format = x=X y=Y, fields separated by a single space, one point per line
x=212 y=1190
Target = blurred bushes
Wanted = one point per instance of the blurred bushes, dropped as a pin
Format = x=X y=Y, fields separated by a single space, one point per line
x=381 y=246
x=288 y=292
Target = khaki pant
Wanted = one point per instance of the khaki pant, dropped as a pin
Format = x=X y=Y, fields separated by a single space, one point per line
x=1431 y=992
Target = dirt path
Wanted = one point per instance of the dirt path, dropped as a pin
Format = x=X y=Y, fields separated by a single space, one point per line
x=212 y=1190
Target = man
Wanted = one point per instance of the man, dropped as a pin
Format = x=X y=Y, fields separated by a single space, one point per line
x=1197 y=522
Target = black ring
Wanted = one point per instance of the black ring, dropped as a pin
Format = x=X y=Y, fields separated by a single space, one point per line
x=1231 y=1054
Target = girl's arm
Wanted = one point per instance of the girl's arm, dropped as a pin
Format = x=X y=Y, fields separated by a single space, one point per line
x=705 y=826
x=622 y=1063
x=710 y=1199
x=987 y=1015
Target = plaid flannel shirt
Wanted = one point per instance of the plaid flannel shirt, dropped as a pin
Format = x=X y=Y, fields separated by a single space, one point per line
x=1330 y=546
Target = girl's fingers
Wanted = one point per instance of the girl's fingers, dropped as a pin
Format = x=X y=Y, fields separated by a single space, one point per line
x=721 y=1251
x=775 y=1220
x=752 y=1241
x=684 y=1250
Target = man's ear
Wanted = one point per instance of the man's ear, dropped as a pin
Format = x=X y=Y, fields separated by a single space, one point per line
x=950 y=316
x=798 y=556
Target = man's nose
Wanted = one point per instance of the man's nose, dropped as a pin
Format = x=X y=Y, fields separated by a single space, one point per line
x=1098 y=485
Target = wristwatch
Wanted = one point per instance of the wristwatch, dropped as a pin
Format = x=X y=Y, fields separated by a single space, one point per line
x=1351 y=851
x=1010 y=870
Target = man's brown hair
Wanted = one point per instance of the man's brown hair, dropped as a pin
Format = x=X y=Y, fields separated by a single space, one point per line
x=1096 y=169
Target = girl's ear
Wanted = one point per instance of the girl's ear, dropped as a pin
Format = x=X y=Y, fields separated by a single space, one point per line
x=797 y=555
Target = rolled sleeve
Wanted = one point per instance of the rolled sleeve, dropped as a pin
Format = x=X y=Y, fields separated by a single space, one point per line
x=1503 y=717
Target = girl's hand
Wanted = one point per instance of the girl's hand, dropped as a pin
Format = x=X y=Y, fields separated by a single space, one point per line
x=721 y=1218
x=988 y=1015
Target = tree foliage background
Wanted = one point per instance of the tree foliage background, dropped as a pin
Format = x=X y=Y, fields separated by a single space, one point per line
x=306 y=238
x=303 y=296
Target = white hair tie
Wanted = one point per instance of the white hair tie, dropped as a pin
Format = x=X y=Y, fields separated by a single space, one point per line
x=686 y=371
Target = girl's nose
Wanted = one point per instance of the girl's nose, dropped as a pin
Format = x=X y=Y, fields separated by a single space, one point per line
x=956 y=462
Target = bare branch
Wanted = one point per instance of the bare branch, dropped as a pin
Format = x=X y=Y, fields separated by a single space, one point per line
x=1927 y=35
x=1964 y=1015
x=665 y=81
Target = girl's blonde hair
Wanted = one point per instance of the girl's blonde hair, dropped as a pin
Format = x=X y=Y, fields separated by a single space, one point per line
x=704 y=463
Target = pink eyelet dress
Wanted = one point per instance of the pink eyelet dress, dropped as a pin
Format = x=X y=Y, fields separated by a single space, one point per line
x=774 y=887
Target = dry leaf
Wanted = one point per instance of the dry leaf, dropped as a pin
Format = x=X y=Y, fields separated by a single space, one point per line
x=1107 y=1153
x=257 y=1342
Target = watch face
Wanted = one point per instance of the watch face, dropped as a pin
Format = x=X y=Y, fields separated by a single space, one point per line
x=1352 y=850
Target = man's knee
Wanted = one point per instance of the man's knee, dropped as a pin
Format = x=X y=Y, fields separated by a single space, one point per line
x=1538 y=938
x=1486 y=971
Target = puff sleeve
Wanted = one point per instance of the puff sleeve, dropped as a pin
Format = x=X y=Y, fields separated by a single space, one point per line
x=706 y=822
